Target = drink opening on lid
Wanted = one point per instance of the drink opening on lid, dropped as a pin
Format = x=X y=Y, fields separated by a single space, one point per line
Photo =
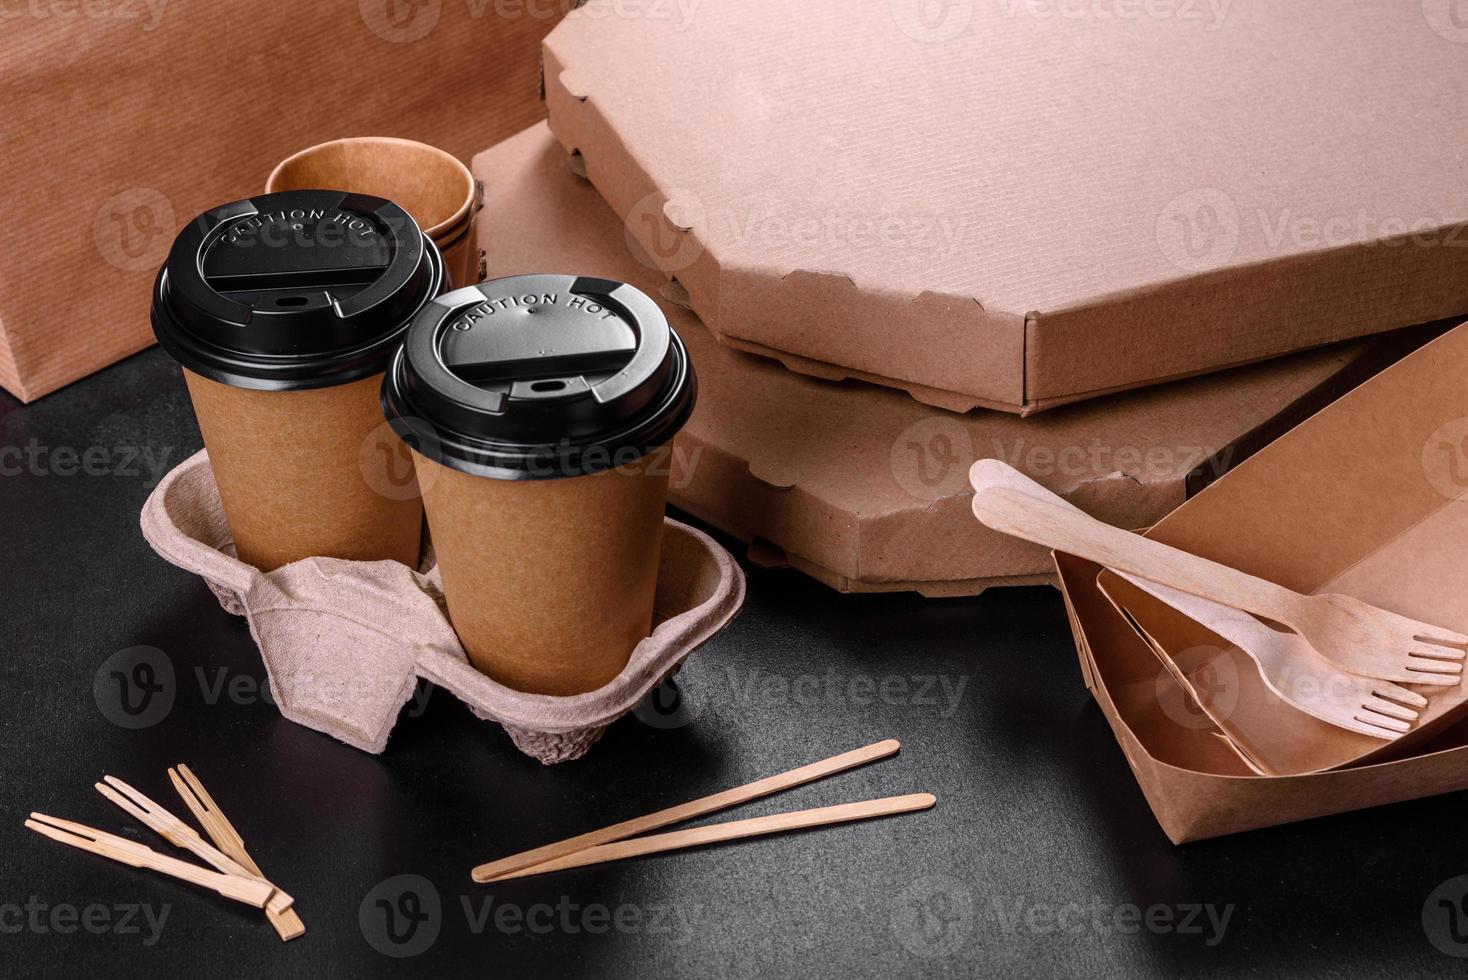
x=533 y=377
x=294 y=290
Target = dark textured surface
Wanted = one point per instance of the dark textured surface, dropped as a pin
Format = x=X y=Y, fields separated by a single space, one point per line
x=1037 y=810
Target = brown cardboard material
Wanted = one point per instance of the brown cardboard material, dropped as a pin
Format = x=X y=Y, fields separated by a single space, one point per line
x=309 y=473
x=1007 y=206
x=429 y=183
x=549 y=583
x=1279 y=740
x=1368 y=497
x=120 y=128
x=864 y=488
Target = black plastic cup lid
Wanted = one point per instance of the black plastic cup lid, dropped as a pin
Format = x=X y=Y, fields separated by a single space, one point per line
x=539 y=377
x=301 y=289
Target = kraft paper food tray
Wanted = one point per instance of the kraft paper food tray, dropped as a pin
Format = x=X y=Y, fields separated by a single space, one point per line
x=1371 y=494
x=1011 y=206
x=863 y=488
x=119 y=129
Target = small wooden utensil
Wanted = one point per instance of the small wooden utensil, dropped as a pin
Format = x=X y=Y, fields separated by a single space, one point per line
x=1354 y=635
x=687 y=811
x=733 y=830
x=180 y=834
x=1298 y=675
x=287 y=923
x=246 y=890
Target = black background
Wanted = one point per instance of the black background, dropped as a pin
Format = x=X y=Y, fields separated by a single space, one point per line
x=1037 y=808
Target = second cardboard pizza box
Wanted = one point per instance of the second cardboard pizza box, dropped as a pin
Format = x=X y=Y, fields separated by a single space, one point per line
x=1015 y=205
x=1370 y=498
x=861 y=487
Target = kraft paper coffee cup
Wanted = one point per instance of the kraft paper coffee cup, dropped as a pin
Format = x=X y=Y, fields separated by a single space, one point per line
x=430 y=184
x=284 y=312
x=541 y=412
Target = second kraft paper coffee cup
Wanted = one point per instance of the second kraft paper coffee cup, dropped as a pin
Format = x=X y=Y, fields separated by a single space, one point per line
x=429 y=183
x=541 y=411
x=284 y=311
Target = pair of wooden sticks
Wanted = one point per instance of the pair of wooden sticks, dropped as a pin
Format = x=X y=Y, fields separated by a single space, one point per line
x=235 y=876
x=613 y=843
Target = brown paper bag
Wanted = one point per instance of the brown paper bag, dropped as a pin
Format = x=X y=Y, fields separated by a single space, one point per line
x=123 y=121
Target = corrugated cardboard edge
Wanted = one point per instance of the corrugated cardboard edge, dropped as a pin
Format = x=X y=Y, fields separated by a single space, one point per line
x=1192 y=805
x=1246 y=313
x=836 y=539
x=851 y=549
x=1303 y=292
x=767 y=503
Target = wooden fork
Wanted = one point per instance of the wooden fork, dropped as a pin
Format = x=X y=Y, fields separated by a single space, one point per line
x=180 y=834
x=247 y=890
x=1297 y=674
x=1352 y=634
x=287 y=922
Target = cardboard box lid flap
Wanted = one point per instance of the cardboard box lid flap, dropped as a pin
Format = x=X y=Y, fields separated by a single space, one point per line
x=1093 y=182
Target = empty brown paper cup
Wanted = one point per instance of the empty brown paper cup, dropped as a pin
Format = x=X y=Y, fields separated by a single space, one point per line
x=430 y=184
x=284 y=313
x=541 y=410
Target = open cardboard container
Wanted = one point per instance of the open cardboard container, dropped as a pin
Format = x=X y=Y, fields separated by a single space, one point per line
x=863 y=488
x=120 y=129
x=1368 y=497
x=1008 y=206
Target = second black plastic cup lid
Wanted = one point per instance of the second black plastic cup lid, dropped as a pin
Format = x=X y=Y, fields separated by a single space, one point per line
x=532 y=377
x=294 y=289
